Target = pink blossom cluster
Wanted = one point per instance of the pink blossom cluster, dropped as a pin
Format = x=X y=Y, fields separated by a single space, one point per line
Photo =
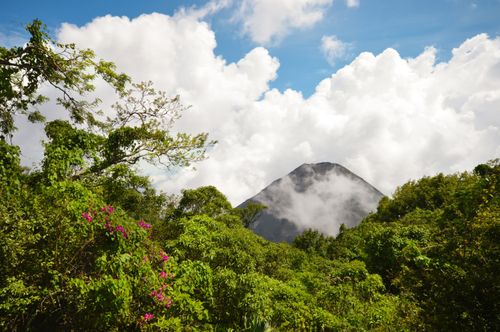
x=143 y=224
x=108 y=209
x=87 y=216
x=108 y=227
x=157 y=295
x=160 y=297
x=148 y=317
x=120 y=229
x=165 y=275
x=168 y=302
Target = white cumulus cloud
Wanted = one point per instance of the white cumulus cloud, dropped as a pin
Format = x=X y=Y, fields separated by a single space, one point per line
x=386 y=118
x=334 y=49
x=352 y=3
x=268 y=21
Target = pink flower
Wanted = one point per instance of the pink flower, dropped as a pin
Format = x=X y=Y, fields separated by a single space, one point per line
x=157 y=295
x=148 y=317
x=163 y=274
x=108 y=227
x=108 y=209
x=164 y=257
x=87 y=216
x=120 y=228
x=168 y=302
x=142 y=224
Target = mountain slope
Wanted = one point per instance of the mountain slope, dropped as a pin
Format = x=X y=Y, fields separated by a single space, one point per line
x=320 y=196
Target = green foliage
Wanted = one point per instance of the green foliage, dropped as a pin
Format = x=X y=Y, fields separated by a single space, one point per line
x=250 y=213
x=412 y=272
x=435 y=244
x=69 y=150
x=121 y=186
x=311 y=241
x=276 y=286
x=78 y=153
x=204 y=200
x=141 y=130
x=41 y=60
x=10 y=170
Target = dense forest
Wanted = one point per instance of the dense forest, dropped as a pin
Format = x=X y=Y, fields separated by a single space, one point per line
x=87 y=244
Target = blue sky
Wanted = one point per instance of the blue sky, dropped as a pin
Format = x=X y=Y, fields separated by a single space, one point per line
x=408 y=26
x=371 y=85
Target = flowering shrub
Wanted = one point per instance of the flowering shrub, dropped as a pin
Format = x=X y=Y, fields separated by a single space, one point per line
x=111 y=274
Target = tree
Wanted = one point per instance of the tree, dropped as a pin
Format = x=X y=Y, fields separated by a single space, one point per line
x=43 y=61
x=312 y=241
x=139 y=130
x=250 y=213
x=204 y=200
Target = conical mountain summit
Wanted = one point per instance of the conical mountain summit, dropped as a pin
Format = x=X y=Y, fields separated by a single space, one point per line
x=319 y=196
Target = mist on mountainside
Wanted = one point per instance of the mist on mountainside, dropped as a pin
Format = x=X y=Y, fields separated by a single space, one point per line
x=319 y=196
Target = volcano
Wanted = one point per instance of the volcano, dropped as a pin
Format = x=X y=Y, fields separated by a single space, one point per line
x=320 y=196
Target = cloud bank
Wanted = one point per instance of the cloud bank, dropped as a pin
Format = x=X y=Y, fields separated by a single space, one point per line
x=386 y=118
